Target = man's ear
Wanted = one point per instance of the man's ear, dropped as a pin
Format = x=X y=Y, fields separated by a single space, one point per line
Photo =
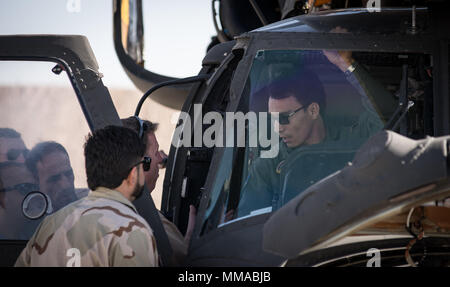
x=132 y=177
x=314 y=110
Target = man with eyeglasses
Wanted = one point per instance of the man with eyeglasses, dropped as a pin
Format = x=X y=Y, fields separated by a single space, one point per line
x=146 y=132
x=313 y=144
x=104 y=228
x=299 y=105
x=50 y=164
x=16 y=181
x=12 y=147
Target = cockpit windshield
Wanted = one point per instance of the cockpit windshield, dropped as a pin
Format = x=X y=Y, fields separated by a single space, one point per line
x=316 y=108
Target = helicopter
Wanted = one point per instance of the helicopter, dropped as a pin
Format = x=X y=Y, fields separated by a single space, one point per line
x=273 y=235
x=389 y=189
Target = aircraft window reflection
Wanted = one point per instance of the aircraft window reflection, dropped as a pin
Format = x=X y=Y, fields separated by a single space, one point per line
x=42 y=130
x=328 y=103
x=15 y=182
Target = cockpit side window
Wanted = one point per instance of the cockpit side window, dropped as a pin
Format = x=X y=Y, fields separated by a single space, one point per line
x=42 y=132
x=313 y=110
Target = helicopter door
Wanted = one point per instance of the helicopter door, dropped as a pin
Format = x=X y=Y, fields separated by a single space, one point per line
x=42 y=132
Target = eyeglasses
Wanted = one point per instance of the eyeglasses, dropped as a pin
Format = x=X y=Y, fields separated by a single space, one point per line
x=142 y=127
x=23 y=188
x=145 y=163
x=283 y=118
x=13 y=154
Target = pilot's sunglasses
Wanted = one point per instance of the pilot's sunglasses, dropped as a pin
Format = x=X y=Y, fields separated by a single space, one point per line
x=283 y=118
x=13 y=154
x=23 y=188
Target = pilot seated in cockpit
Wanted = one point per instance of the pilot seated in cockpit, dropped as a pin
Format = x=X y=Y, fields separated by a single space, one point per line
x=314 y=141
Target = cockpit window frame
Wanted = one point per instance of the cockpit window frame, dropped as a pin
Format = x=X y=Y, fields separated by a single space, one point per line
x=74 y=55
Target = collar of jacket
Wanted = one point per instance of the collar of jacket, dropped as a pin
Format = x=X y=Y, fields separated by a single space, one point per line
x=103 y=192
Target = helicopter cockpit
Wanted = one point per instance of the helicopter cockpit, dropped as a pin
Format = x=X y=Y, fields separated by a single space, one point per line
x=320 y=115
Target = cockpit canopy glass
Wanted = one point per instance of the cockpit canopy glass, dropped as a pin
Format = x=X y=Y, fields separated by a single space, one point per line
x=42 y=131
x=307 y=113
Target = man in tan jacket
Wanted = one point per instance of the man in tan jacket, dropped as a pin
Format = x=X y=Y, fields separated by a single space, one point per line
x=104 y=228
x=146 y=132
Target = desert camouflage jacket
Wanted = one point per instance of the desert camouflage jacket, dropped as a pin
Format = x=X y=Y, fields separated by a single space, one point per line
x=102 y=229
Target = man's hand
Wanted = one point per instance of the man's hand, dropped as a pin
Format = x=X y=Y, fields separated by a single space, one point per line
x=164 y=157
x=342 y=59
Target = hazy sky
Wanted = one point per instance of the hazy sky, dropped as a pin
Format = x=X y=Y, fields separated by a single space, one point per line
x=177 y=33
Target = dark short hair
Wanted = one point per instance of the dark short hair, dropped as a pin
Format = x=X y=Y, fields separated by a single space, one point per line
x=133 y=124
x=9 y=133
x=110 y=153
x=304 y=85
x=41 y=150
